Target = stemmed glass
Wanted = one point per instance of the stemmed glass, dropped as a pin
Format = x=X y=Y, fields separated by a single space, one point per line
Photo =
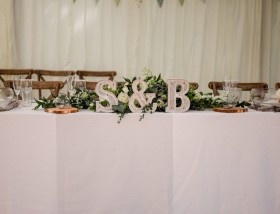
x=17 y=85
x=80 y=84
x=234 y=96
x=70 y=86
x=231 y=92
x=228 y=83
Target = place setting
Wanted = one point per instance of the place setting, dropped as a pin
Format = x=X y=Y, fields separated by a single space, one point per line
x=231 y=96
x=7 y=100
x=62 y=101
x=265 y=99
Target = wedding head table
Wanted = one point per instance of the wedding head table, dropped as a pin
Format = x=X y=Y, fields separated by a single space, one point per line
x=168 y=163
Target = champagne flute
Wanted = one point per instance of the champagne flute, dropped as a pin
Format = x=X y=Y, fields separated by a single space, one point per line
x=17 y=85
x=70 y=88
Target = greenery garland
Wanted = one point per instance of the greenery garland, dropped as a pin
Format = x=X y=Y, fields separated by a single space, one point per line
x=86 y=99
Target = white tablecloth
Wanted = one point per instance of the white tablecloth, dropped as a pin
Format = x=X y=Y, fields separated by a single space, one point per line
x=87 y=163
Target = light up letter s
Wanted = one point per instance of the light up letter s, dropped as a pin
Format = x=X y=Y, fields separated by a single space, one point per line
x=109 y=96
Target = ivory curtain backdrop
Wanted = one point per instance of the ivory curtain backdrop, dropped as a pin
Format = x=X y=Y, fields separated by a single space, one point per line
x=8 y=56
x=197 y=41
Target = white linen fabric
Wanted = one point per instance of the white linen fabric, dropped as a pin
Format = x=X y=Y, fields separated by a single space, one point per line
x=72 y=165
x=226 y=163
x=197 y=41
x=194 y=162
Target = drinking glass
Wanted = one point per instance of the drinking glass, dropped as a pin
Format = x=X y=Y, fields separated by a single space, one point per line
x=234 y=96
x=231 y=93
x=80 y=84
x=61 y=101
x=17 y=85
x=26 y=91
x=257 y=96
x=70 y=88
x=228 y=84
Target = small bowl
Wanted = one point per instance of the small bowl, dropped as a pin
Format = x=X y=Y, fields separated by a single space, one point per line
x=61 y=101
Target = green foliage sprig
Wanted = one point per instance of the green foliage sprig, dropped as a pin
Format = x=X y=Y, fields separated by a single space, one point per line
x=44 y=103
x=84 y=99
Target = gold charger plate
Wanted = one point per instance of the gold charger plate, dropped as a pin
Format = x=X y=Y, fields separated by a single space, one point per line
x=62 y=110
x=230 y=110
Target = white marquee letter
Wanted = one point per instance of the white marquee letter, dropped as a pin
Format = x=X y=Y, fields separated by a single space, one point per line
x=109 y=96
x=142 y=99
x=173 y=95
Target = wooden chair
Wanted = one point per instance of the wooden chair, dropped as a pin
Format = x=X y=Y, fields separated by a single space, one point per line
x=42 y=74
x=215 y=86
x=54 y=86
x=97 y=74
x=194 y=85
x=92 y=85
x=277 y=85
x=11 y=72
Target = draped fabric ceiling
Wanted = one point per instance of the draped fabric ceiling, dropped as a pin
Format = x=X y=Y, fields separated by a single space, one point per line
x=195 y=41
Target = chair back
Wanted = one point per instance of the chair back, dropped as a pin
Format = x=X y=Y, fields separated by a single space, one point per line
x=92 y=85
x=11 y=72
x=96 y=76
x=61 y=74
x=53 y=86
x=107 y=74
x=194 y=85
x=248 y=86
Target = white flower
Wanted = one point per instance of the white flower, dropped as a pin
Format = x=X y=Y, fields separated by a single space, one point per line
x=84 y=95
x=125 y=89
x=160 y=103
x=123 y=97
x=147 y=72
x=197 y=96
x=206 y=96
x=164 y=97
x=221 y=99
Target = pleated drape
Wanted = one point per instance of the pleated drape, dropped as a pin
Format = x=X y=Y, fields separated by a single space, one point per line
x=197 y=41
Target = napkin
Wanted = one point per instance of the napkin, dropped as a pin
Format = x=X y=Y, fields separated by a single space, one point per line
x=10 y=106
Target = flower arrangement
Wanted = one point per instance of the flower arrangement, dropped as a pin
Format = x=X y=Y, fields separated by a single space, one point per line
x=86 y=99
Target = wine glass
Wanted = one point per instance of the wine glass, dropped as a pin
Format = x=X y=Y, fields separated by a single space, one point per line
x=80 y=84
x=17 y=85
x=234 y=96
x=70 y=88
x=228 y=84
x=61 y=101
